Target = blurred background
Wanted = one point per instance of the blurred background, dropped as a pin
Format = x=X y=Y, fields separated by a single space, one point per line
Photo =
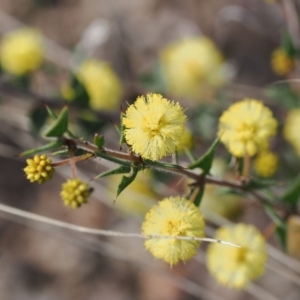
x=135 y=38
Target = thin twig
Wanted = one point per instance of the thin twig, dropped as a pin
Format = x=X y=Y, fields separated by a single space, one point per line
x=102 y=232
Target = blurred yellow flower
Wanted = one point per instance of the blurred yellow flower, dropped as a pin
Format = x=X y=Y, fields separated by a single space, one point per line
x=67 y=92
x=191 y=64
x=291 y=129
x=154 y=126
x=174 y=216
x=237 y=267
x=246 y=127
x=217 y=200
x=281 y=63
x=266 y=163
x=186 y=141
x=102 y=84
x=21 y=51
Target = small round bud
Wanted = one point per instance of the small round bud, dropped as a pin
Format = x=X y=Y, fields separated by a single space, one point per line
x=39 y=169
x=75 y=192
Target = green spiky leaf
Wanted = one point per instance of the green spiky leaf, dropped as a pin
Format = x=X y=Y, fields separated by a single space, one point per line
x=127 y=180
x=281 y=234
x=81 y=96
x=281 y=228
x=65 y=152
x=279 y=221
x=256 y=184
x=47 y=147
x=50 y=112
x=157 y=165
x=292 y=195
x=283 y=91
x=60 y=125
x=38 y=117
x=119 y=170
x=199 y=195
x=288 y=45
x=205 y=161
x=122 y=129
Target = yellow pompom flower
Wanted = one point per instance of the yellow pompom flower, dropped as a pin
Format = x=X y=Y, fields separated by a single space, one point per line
x=237 y=267
x=21 y=51
x=266 y=163
x=281 y=63
x=39 y=169
x=154 y=126
x=174 y=216
x=190 y=64
x=291 y=129
x=75 y=192
x=246 y=127
x=102 y=84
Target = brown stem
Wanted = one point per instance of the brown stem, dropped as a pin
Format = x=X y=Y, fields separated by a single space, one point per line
x=246 y=166
x=74 y=159
x=238 y=185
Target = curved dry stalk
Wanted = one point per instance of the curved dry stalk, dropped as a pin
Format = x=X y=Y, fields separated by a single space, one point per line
x=101 y=232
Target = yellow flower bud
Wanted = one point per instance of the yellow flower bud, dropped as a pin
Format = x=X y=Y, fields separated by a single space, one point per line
x=39 y=169
x=75 y=192
x=281 y=63
x=291 y=129
x=266 y=164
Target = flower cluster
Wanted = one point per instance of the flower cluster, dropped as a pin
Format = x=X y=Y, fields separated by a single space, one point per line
x=237 y=267
x=102 y=84
x=153 y=126
x=39 y=169
x=21 y=51
x=281 y=63
x=174 y=216
x=190 y=64
x=75 y=192
x=246 y=127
